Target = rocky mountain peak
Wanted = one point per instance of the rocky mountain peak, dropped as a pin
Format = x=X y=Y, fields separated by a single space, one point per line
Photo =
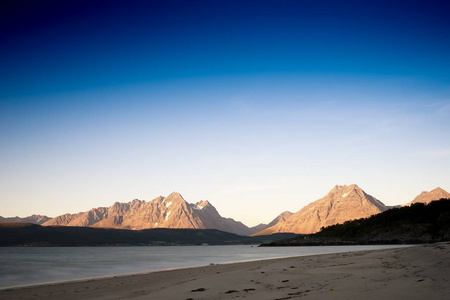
x=342 y=203
x=136 y=203
x=438 y=190
x=427 y=197
x=202 y=204
x=344 y=190
x=343 y=187
x=173 y=200
x=118 y=208
x=175 y=196
x=280 y=218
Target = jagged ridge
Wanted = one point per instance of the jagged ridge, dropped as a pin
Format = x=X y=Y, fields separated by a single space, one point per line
x=33 y=219
x=161 y=212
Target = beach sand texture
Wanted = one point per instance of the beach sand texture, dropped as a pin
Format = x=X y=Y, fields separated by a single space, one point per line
x=419 y=272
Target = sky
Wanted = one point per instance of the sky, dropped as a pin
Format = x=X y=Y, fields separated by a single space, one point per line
x=257 y=106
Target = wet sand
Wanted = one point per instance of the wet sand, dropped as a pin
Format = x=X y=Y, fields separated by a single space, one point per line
x=419 y=272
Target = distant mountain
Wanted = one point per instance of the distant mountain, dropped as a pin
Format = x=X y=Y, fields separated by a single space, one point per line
x=342 y=203
x=427 y=197
x=281 y=218
x=161 y=212
x=414 y=224
x=34 y=219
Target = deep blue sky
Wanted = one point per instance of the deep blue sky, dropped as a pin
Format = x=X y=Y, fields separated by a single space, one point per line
x=54 y=46
x=241 y=95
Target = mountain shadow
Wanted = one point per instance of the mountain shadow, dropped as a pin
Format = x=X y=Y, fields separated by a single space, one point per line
x=25 y=234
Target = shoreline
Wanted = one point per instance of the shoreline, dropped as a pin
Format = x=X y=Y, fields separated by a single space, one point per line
x=344 y=249
x=421 y=271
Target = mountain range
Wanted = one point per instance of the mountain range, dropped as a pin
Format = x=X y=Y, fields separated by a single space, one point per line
x=162 y=212
x=341 y=204
x=34 y=219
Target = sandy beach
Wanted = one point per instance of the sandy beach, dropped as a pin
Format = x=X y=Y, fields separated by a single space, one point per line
x=419 y=272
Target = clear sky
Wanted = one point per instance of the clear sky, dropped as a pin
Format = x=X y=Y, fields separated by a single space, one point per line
x=257 y=106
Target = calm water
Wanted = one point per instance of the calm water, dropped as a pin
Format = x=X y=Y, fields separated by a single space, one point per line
x=30 y=265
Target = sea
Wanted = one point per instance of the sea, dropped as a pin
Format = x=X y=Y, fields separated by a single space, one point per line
x=26 y=266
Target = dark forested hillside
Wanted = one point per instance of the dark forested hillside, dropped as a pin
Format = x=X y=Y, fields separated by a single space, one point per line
x=24 y=234
x=418 y=223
